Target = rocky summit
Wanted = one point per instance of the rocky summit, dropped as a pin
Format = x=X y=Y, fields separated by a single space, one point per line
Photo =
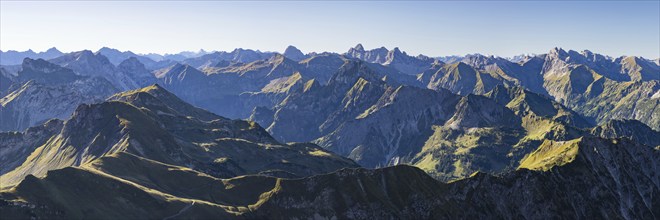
x=364 y=134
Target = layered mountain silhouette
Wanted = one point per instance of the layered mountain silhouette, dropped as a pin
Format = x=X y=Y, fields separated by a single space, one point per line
x=363 y=134
x=13 y=57
x=165 y=158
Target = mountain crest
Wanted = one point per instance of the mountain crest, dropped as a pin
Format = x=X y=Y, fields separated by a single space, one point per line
x=293 y=53
x=359 y=47
x=352 y=70
x=40 y=65
x=161 y=101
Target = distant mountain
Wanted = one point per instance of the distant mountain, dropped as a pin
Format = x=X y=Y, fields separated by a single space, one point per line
x=394 y=58
x=43 y=91
x=471 y=137
x=238 y=88
x=520 y=58
x=604 y=94
x=116 y=57
x=175 y=57
x=294 y=54
x=450 y=59
x=13 y=57
x=86 y=63
x=378 y=55
x=596 y=86
x=238 y=55
x=136 y=70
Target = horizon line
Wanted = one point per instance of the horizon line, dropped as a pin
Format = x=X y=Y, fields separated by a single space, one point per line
x=317 y=52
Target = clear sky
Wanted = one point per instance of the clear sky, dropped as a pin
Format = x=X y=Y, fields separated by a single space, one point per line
x=503 y=28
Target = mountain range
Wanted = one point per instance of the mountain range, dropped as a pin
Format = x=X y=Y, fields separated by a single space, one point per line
x=363 y=134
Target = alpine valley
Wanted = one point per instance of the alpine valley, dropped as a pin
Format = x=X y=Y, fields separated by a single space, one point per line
x=365 y=134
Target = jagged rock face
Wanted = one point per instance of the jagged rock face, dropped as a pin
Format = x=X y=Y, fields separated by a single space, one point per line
x=152 y=123
x=394 y=58
x=378 y=55
x=407 y=64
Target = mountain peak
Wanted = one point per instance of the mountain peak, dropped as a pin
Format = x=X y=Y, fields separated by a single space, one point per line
x=84 y=53
x=161 y=101
x=293 y=53
x=291 y=48
x=359 y=47
x=352 y=70
x=154 y=89
x=396 y=50
x=558 y=51
x=53 y=50
x=131 y=61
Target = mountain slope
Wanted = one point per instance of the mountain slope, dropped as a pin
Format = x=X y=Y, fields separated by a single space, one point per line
x=86 y=63
x=154 y=124
x=372 y=121
x=634 y=130
x=624 y=189
x=43 y=90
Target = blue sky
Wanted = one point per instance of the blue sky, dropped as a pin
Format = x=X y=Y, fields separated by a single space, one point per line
x=503 y=28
